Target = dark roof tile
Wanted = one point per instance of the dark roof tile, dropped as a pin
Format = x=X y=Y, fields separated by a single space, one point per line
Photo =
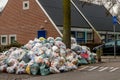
x=94 y=13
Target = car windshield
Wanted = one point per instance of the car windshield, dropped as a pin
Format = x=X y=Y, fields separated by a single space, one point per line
x=118 y=43
x=110 y=43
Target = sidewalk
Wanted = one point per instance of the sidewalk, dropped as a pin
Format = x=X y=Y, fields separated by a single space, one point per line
x=110 y=59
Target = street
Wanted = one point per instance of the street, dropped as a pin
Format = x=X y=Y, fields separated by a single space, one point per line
x=108 y=70
x=104 y=71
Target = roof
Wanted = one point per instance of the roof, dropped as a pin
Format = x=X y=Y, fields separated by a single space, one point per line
x=94 y=13
x=55 y=10
x=3 y=4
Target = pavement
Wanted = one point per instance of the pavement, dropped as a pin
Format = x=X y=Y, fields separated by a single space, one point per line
x=108 y=62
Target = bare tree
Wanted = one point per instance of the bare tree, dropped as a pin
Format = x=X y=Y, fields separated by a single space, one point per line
x=67 y=23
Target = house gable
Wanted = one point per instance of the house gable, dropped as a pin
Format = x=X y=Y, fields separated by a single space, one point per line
x=96 y=14
x=25 y=23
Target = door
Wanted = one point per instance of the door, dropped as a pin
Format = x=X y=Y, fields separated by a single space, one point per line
x=42 y=33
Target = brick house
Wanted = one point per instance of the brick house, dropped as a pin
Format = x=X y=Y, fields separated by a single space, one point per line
x=20 y=20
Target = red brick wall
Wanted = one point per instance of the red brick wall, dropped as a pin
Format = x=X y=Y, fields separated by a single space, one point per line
x=24 y=23
x=97 y=39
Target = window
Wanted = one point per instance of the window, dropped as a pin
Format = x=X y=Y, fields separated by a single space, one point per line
x=80 y=35
x=3 y=39
x=73 y=34
x=109 y=36
x=25 y=5
x=103 y=36
x=12 y=38
x=118 y=36
x=89 y=36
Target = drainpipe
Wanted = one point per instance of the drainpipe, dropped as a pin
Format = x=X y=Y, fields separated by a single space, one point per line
x=86 y=20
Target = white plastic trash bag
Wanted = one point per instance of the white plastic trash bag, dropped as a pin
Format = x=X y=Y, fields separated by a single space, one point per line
x=54 y=70
x=58 y=39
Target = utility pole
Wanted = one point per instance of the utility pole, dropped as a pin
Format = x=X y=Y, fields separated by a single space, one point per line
x=114 y=23
x=67 y=23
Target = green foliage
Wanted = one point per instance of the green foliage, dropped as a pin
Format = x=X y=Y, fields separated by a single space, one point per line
x=15 y=44
x=6 y=47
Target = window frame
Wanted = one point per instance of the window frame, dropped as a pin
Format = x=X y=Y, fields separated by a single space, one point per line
x=6 y=43
x=24 y=5
x=89 y=36
x=13 y=35
x=80 y=34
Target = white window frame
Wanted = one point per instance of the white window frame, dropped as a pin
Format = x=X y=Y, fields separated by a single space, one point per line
x=28 y=4
x=80 y=34
x=13 y=35
x=89 y=36
x=6 y=40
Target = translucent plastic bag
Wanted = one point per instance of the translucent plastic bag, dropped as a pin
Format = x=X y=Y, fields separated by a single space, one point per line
x=51 y=40
x=82 y=61
x=54 y=70
x=28 y=69
x=3 y=68
x=73 y=40
x=26 y=58
x=60 y=44
x=41 y=38
x=10 y=69
x=92 y=58
x=58 y=39
x=63 y=69
x=85 y=55
x=34 y=68
x=44 y=69
x=20 y=71
x=76 y=48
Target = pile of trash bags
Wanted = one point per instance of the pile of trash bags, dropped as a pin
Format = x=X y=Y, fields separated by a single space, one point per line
x=44 y=56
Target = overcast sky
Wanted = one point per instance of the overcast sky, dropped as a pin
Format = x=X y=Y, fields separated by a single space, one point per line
x=3 y=4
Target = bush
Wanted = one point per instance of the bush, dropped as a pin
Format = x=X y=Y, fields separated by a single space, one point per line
x=6 y=47
x=15 y=44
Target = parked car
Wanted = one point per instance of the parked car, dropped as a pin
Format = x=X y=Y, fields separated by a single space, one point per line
x=108 y=48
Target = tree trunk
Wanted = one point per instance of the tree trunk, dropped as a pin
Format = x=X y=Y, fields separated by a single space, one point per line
x=67 y=23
